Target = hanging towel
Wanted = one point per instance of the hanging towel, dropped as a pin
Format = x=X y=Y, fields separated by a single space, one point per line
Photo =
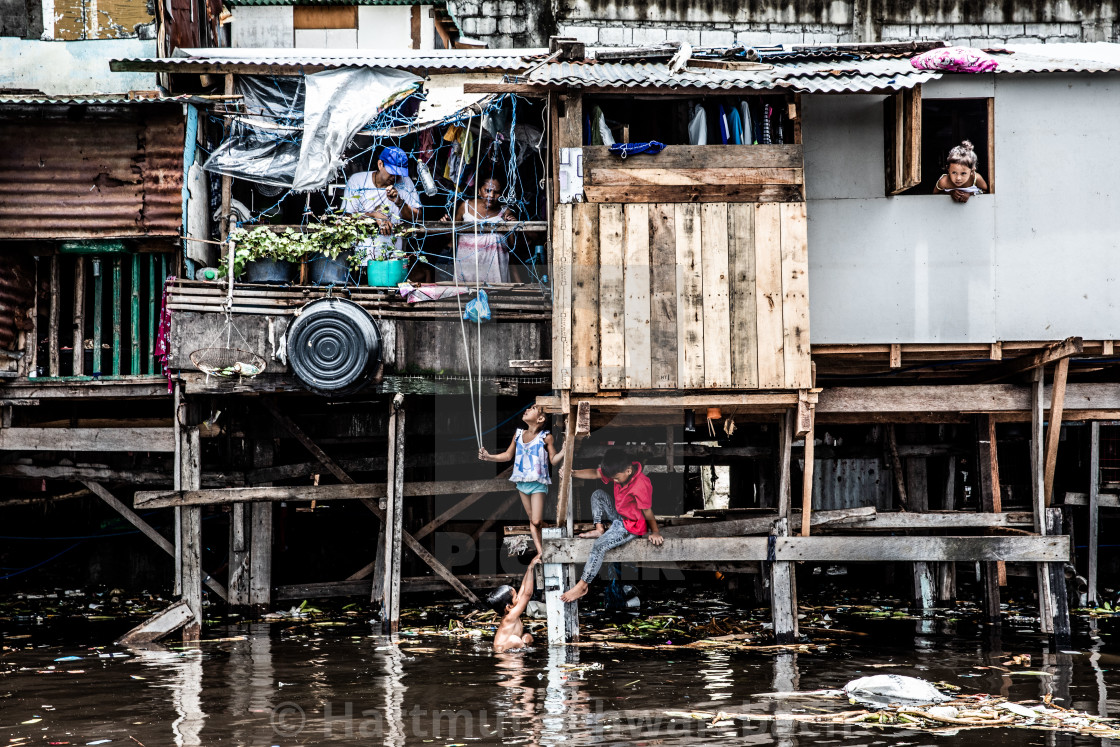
x=600 y=132
x=748 y=127
x=698 y=127
x=735 y=125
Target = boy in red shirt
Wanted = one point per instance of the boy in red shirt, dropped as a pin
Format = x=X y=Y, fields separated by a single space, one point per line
x=618 y=519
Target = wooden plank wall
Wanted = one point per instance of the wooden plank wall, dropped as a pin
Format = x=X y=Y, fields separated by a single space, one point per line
x=684 y=296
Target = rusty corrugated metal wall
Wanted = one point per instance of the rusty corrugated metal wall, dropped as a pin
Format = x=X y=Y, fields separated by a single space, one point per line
x=17 y=295
x=119 y=174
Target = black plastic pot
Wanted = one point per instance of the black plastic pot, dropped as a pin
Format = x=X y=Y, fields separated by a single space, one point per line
x=334 y=347
x=271 y=271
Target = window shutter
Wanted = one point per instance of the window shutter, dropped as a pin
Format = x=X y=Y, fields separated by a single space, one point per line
x=904 y=140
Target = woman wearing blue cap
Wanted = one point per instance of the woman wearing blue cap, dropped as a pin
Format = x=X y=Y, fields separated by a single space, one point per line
x=387 y=195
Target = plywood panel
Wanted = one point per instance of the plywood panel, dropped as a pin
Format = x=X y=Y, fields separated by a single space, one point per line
x=795 y=292
x=712 y=192
x=690 y=293
x=670 y=177
x=769 y=295
x=741 y=268
x=717 y=310
x=699 y=157
x=325 y=17
x=663 y=295
x=639 y=373
x=562 y=298
x=612 y=297
x=585 y=298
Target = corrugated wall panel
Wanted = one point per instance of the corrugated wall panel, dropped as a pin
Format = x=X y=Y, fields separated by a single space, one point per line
x=63 y=179
x=17 y=292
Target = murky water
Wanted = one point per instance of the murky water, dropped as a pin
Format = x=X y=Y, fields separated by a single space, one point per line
x=298 y=683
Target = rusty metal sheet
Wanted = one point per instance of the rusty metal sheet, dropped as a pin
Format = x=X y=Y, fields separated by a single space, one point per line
x=112 y=177
x=17 y=293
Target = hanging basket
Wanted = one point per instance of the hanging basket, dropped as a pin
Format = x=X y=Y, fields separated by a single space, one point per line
x=228 y=363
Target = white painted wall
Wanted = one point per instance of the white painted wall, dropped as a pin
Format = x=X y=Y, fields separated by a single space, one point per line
x=73 y=67
x=1038 y=260
x=390 y=27
x=326 y=38
x=262 y=26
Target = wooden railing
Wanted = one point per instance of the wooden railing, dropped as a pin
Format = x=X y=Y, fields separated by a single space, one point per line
x=101 y=315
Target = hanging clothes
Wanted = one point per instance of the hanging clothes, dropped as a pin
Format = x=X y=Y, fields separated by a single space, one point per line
x=600 y=132
x=698 y=126
x=766 y=110
x=748 y=127
x=426 y=146
x=735 y=125
x=724 y=131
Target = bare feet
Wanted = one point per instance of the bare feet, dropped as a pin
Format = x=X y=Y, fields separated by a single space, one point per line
x=592 y=534
x=574 y=593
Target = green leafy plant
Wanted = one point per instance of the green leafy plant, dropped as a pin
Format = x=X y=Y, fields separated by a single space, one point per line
x=264 y=243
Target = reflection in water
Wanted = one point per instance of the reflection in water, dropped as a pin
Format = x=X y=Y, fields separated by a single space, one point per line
x=516 y=709
x=185 y=684
x=717 y=675
x=395 y=731
x=251 y=686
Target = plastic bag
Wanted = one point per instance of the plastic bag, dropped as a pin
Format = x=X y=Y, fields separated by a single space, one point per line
x=478 y=308
x=955 y=60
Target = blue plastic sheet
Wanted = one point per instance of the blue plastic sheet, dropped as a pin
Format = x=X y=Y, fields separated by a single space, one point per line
x=632 y=149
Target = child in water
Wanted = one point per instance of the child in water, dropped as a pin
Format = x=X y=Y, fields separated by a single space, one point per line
x=961 y=181
x=510 y=604
x=532 y=450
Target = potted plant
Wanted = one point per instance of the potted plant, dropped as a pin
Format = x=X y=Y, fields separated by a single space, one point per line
x=266 y=256
x=334 y=240
x=359 y=238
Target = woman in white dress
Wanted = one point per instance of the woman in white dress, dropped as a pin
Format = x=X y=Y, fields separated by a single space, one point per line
x=482 y=255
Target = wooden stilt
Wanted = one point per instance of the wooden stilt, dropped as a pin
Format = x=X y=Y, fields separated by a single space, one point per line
x=1059 y=601
x=563 y=619
x=394 y=520
x=990 y=502
x=190 y=531
x=176 y=473
x=947 y=572
x=896 y=468
x=924 y=585
x=807 y=478
x=239 y=534
x=917 y=493
x=783 y=592
x=259 y=517
x=1094 y=508
x=1038 y=496
x=563 y=494
x=785 y=447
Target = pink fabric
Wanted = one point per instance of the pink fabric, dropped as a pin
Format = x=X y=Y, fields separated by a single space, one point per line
x=955 y=60
x=163 y=347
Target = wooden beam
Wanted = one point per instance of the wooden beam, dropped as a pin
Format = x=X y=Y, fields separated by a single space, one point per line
x=563 y=495
x=159 y=625
x=1104 y=500
x=1054 y=427
x=148 y=530
x=87 y=439
x=958 y=398
x=677 y=403
x=409 y=584
x=762 y=524
x=1024 y=549
x=1049 y=354
x=458 y=508
x=353 y=491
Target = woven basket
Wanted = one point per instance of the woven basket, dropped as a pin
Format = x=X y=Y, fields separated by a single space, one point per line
x=228 y=363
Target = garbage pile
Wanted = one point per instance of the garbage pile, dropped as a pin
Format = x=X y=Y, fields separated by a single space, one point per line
x=894 y=701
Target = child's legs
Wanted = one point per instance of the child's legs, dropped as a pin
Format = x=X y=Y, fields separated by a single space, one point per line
x=615 y=536
x=602 y=508
x=534 y=509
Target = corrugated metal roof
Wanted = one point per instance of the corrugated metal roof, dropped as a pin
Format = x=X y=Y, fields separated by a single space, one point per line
x=107 y=100
x=458 y=60
x=93 y=178
x=806 y=77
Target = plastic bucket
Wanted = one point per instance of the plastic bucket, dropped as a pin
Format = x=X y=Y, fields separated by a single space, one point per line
x=270 y=271
x=387 y=272
x=326 y=271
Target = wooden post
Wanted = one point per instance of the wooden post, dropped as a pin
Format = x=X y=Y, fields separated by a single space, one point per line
x=1094 y=508
x=394 y=520
x=1059 y=602
x=807 y=482
x=176 y=479
x=239 y=533
x=563 y=619
x=53 y=342
x=783 y=592
x=1054 y=429
x=896 y=468
x=785 y=448
x=991 y=502
x=190 y=531
x=564 y=493
x=260 y=525
x=227 y=182
x=79 y=347
x=947 y=572
x=1038 y=496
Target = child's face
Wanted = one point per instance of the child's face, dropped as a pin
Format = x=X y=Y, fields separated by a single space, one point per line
x=623 y=476
x=959 y=174
x=533 y=416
